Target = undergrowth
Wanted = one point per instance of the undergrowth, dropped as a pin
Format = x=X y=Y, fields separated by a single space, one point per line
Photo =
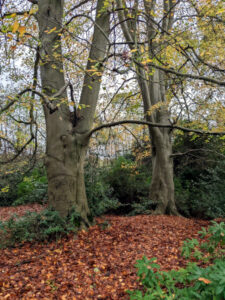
x=44 y=226
x=193 y=282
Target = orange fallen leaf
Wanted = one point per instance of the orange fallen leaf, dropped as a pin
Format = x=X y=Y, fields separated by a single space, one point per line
x=206 y=281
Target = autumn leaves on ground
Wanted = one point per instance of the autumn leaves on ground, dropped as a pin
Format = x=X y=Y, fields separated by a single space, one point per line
x=97 y=264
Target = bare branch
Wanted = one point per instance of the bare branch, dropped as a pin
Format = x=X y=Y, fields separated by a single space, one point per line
x=93 y=21
x=45 y=99
x=21 y=121
x=150 y=124
x=196 y=150
x=77 y=6
x=134 y=136
x=190 y=76
x=7 y=106
x=18 y=151
x=7 y=141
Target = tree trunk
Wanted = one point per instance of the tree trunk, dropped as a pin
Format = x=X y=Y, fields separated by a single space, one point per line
x=67 y=141
x=162 y=184
x=153 y=90
x=65 y=170
x=65 y=153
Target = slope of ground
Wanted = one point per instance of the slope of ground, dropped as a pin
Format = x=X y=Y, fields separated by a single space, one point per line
x=97 y=264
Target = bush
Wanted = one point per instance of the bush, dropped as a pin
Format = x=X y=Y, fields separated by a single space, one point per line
x=200 y=176
x=17 y=189
x=183 y=195
x=193 y=282
x=121 y=188
x=99 y=193
x=205 y=197
x=8 y=191
x=33 y=188
x=44 y=226
x=214 y=247
x=130 y=183
x=209 y=199
x=145 y=206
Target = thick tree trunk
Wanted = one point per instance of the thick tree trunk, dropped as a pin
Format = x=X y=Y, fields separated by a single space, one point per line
x=67 y=141
x=65 y=152
x=65 y=170
x=162 y=184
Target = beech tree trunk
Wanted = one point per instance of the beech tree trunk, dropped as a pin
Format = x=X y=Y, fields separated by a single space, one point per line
x=67 y=141
x=65 y=170
x=153 y=90
x=162 y=184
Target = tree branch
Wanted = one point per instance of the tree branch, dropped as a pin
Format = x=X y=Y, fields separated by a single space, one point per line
x=150 y=124
x=93 y=21
x=198 y=77
x=7 y=106
x=196 y=150
x=76 y=6
x=18 y=151
x=45 y=99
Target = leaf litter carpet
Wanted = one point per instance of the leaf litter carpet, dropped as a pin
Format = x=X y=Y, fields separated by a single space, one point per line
x=96 y=264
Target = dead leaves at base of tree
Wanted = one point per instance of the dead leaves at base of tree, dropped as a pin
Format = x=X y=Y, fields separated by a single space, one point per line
x=97 y=264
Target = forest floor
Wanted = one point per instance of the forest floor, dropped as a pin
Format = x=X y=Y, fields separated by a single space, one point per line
x=96 y=264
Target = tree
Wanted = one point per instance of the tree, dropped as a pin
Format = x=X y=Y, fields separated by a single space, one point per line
x=162 y=54
x=67 y=133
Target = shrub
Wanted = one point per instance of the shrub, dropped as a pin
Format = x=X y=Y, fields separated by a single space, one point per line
x=121 y=188
x=213 y=247
x=209 y=191
x=99 y=193
x=44 y=226
x=8 y=191
x=204 y=197
x=200 y=176
x=129 y=181
x=143 y=207
x=192 y=282
x=17 y=189
x=33 y=188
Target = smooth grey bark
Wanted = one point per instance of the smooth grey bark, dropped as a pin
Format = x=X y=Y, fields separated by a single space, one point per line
x=67 y=141
x=153 y=90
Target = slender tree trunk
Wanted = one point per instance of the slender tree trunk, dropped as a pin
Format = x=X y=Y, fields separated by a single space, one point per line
x=67 y=142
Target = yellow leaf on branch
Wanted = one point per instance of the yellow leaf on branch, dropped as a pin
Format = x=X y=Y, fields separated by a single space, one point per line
x=15 y=27
x=22 y=30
